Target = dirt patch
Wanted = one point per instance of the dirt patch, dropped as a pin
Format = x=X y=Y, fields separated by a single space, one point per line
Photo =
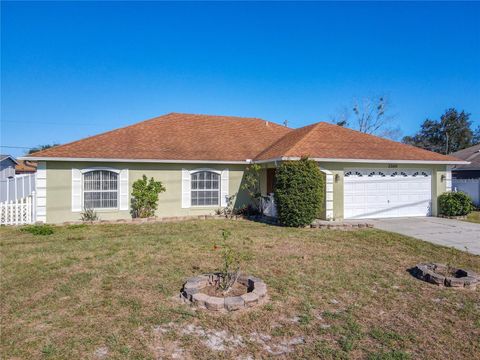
x=236 y=290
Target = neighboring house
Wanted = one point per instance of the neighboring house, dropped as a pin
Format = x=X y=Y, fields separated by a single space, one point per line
x=14 y=186
x=7 y=166
x=25 y=167
x=201 y=160
x=466 y=177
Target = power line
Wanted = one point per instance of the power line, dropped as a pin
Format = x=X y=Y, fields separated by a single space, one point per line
x=47 y=123
x=16 y=147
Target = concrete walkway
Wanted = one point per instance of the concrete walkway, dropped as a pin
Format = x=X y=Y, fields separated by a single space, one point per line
x=452 y=233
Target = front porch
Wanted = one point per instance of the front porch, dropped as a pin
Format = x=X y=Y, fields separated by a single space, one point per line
x=267 y=185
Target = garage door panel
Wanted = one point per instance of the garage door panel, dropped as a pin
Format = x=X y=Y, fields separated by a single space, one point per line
x=375 y=193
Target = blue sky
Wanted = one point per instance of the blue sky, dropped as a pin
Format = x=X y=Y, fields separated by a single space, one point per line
x=73 y=69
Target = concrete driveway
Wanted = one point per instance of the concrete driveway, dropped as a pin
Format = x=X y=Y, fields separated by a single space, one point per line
x=447 y=232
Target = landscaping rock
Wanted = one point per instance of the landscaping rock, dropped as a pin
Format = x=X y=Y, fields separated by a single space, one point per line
x=250 y=299
x=214 y=303
x=234 y=303
x=260 y=289
x=200 y=299
x=456 y=278
x=193 y=292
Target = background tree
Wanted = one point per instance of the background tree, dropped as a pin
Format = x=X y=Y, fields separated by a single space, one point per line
x=449 y=134
x=476 y=136
x=40 y=148
x=369 y=115
x=145 y=196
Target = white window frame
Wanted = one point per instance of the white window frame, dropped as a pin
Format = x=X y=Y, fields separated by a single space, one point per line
x=89 y=170
x=217 y=172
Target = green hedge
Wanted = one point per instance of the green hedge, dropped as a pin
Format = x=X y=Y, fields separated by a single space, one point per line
x=455 y=204
x=298 y=192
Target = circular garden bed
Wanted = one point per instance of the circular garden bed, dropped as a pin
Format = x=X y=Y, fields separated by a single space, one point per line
x=444 y=275
x=202 y=291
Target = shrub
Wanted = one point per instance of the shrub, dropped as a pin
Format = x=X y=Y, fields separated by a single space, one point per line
x=228 y=211
x=89 y=215
x=298 y=192
x=455 y=204
x=38 y=229
x=145 y=196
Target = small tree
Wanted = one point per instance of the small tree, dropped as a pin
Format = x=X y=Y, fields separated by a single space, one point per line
x=298 y=192
x=145 y=196
x=251 y=184
x=230 y=270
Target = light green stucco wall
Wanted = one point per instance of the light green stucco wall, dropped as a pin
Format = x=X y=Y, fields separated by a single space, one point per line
x=438 y=186
x=59 y=188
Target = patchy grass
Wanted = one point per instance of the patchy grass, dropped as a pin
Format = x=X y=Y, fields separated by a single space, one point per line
x=473 y=217
x=100 y=291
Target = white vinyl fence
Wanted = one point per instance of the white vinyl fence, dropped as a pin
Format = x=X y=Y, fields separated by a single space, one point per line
x=18 y=212
x=469 y=186
x=16 y=187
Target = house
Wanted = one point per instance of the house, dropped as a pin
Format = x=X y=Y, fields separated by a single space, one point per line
x=466 y=177
x=25 y=167
x=7 y=166
x=201 y=159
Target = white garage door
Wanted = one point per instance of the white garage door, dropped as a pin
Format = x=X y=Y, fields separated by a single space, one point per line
x=377 y=193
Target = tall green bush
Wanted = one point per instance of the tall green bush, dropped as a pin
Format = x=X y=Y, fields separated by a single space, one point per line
x=145 y=197
x=298 y=192
x=455 y=204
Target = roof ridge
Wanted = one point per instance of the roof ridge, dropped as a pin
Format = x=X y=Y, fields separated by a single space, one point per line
x=283 y=137
x=208 y=115
x=305 y=136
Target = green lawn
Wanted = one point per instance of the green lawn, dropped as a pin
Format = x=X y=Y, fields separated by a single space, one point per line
x=474 y=217
x=107 y=291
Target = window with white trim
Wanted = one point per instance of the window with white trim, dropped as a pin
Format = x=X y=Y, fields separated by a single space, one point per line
x=100 y=189
x=205 y=188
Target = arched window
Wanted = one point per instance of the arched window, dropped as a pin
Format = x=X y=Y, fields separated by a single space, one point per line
x=205 y=188
x=100 y=189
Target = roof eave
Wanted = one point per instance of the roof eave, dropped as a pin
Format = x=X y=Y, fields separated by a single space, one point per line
x=167 y=161
x=11 y=158
x=377 y=161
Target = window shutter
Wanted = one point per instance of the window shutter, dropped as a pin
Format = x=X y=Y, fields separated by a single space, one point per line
x=186 y=202
x=123 y=193
x=224 y=188
x=76 y=190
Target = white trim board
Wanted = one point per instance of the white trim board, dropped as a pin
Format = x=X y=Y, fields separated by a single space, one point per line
x=41 y=192
x=247 y=161
x=426 y=162
x=34 y=158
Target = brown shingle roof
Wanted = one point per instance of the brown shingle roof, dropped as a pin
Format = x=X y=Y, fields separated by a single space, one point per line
x=328 y=141
x=227 y=138
x=25 y=166
x=177 y=137
x=471 y=154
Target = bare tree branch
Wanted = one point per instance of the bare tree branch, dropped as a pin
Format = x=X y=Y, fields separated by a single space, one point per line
x=371 y=116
